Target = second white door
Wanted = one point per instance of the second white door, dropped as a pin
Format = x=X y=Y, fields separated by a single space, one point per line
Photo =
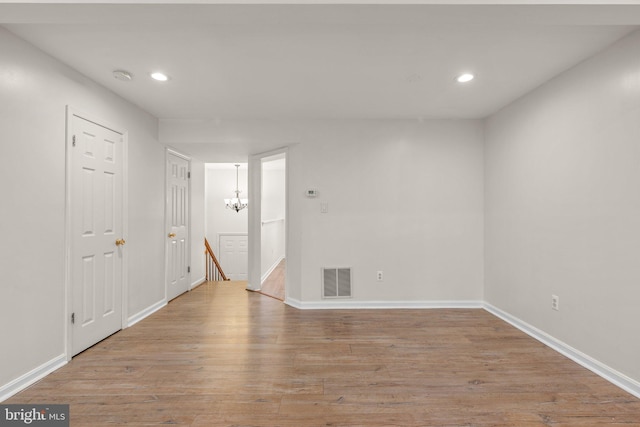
x=177 y=228
x=233 y=255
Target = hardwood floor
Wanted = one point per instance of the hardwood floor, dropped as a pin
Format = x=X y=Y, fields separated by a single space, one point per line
x=273 y=285
x=221 y=356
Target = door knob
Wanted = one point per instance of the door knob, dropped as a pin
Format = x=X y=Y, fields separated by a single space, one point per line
x=120 y=242
x=172 y=234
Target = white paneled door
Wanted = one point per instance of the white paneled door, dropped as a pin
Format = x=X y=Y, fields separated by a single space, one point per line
x=177 y=214
x=96 y=230
x=234 y=255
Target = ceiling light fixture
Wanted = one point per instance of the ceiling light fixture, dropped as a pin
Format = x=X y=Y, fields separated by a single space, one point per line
x=464 y=78
x=161 y=77
x=123 y=75
x=236 y=203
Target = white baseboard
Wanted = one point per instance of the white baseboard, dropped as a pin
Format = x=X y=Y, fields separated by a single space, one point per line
x=342 y=304
x=198 y=282
x=145 y=313
x=24 y=381
x=273 y=267
x=595 y=366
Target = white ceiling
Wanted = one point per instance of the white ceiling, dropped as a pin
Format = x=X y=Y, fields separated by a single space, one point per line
x=309 y=61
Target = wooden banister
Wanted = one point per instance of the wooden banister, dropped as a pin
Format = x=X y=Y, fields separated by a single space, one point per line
x=212 y=266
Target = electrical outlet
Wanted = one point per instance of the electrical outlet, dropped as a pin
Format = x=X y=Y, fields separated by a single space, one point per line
x=555 y=302
x=379 y=276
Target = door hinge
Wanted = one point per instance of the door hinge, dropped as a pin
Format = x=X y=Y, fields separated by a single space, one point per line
x=189 y=269
x=73 y=141
x=73 y=318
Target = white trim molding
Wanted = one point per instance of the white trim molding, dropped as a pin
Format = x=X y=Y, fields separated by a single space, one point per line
x=177 y=153
x=619 y=379
x=24 y=381
x=365 y=305
x=146 y=313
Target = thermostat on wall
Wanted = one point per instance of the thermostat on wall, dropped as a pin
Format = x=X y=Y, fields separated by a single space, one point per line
x=312 y=192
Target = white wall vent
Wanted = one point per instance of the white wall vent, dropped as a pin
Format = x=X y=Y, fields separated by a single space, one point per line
x=336 y=283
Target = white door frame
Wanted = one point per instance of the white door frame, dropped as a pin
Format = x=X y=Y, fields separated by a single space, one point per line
x=68 y=306
x=254 y=281
x=174 y=152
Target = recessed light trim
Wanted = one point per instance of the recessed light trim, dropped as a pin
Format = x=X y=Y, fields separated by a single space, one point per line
x=161 y=77
x=465 y=77
x=123 y=75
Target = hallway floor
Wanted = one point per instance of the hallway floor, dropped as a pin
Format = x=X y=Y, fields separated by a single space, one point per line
x=222 y=356
x=273 y=285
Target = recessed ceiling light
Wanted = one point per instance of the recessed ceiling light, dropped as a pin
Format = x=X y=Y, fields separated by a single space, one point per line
x=466 y=77
x=161 y=77
x=123 y=75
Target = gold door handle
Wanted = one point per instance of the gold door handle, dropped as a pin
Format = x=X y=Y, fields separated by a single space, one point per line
x=120 y=242
x=172 y=234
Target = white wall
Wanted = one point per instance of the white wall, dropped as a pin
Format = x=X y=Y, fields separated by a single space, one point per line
x=197 y=222
x=404 y=197
x=35 y=89
x=563 y=207
x=273 y=215
x=220 y=184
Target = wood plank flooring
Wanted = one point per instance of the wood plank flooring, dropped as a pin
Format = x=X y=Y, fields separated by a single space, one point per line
x=273 y=285
x=222 y=356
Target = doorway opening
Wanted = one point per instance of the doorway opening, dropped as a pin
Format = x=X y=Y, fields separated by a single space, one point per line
x=273 y=226
x=225 y=229
x=268 y=222
x=250 y=244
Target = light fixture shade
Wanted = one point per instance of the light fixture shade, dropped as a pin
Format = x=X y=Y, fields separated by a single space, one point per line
x=236 y=203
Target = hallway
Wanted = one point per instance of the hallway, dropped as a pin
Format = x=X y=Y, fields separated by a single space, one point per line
x=220 y=355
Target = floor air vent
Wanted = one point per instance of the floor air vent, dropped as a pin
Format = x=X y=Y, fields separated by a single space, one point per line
x=336 y=282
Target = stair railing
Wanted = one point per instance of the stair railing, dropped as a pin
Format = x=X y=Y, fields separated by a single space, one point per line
x=213 y=271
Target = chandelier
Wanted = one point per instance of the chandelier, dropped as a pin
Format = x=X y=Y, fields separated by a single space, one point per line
x=236 y=203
